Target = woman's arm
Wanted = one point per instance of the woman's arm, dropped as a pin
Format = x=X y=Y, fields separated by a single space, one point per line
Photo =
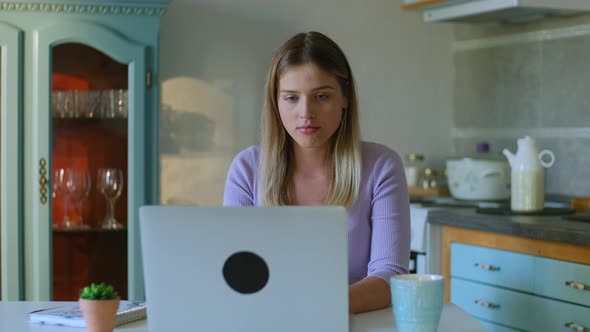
x=390 y=234
x=369 y=294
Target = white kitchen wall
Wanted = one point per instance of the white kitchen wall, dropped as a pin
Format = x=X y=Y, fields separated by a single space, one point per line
x=214 y=57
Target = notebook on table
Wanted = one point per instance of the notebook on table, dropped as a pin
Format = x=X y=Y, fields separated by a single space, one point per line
x=245 y=269
x=70 y=315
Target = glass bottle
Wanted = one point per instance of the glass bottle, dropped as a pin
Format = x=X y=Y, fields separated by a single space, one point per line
x=429 y=179
x=413 y=168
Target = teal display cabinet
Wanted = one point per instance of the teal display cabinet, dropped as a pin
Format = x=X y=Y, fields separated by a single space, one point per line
x=79 y=97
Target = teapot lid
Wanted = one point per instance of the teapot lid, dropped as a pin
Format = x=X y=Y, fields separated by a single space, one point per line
x=526 y=140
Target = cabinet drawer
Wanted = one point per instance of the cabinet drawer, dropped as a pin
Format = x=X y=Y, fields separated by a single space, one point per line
x=493 y=266
x=553 y=315
x=512 y=308
x=554 y=279
x=505 y=307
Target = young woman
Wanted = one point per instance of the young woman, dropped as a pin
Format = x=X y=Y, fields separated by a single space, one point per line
x=311 y=154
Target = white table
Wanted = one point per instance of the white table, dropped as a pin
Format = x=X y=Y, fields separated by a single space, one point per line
x=13 y=317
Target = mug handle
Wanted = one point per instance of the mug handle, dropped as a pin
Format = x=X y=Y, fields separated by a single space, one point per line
x=546 y=164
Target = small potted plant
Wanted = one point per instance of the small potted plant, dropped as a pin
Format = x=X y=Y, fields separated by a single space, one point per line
x=99 y=304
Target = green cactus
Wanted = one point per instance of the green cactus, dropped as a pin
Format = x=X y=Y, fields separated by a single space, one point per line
x=98 y=292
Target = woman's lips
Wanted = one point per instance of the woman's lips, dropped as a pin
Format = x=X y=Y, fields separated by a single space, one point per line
x=308 y=130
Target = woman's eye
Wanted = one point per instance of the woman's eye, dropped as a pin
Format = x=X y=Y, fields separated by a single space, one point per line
x=322 y=97
x=291 y=99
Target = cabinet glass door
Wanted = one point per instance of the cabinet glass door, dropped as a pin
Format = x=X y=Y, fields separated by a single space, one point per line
x=89 y=135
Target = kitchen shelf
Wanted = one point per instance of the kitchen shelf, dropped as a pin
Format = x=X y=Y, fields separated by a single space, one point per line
x=428 y=192
x=423 y=4
x=502 y=11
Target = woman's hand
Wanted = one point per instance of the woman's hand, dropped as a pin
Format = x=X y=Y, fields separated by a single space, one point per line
x=369 y=294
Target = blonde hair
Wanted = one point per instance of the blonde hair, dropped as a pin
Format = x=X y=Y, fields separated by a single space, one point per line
x=276 y=157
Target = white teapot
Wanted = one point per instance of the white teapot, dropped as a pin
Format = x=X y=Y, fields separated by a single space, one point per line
x=527 y=188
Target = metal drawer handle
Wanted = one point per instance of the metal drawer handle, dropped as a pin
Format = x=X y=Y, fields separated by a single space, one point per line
x=487 y=267
x=576 y=327
x=577 y=285
x=486 y=304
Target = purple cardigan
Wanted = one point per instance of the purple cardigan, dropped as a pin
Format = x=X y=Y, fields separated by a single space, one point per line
x=378 y=223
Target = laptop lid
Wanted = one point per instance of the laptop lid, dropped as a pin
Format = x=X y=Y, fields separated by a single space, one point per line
x=245 y=269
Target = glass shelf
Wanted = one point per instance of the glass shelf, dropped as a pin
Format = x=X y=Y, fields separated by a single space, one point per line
x=95 y=118
x=80 y=103
x=88 y=230
x=88 y=120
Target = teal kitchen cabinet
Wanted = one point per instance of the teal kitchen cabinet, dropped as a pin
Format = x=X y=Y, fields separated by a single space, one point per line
x=520 y=292
x=11 y=105
x=79 y=143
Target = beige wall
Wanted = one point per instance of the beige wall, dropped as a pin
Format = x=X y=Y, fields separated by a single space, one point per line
x=214 y=55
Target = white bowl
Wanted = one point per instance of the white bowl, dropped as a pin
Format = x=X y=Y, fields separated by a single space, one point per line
x=478 y=179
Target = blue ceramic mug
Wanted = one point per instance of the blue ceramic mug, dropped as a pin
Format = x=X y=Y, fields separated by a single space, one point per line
x=417 y=301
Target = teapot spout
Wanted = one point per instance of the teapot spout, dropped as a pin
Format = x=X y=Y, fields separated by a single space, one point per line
x=510 y=156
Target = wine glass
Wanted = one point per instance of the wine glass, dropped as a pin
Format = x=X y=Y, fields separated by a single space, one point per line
x=110 y=184
x=78 y=186
x=60 y=179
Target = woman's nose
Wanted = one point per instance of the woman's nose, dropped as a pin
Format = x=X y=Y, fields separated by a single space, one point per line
x=306 y=111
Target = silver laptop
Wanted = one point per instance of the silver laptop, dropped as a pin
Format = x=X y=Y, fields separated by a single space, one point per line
x=245 y=269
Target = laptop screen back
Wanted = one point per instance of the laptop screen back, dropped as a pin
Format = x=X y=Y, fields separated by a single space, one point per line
x=245 y=269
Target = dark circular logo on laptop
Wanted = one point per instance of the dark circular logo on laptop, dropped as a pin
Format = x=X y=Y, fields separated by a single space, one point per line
x=245 y=272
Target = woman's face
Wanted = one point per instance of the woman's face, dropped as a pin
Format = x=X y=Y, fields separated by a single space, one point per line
x=310 y=103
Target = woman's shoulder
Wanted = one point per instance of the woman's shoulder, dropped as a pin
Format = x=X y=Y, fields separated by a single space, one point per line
x=251 y=152
x=247 y=158
x=375 y=152
x=381 y=164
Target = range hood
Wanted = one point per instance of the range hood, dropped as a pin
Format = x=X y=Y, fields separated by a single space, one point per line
x=510 y=11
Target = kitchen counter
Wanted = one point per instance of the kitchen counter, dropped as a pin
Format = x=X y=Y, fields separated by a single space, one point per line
x=550 y=237
x=546 y=228
x=521 y=264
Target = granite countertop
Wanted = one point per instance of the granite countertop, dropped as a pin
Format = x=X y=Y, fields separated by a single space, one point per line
x=547 y=228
